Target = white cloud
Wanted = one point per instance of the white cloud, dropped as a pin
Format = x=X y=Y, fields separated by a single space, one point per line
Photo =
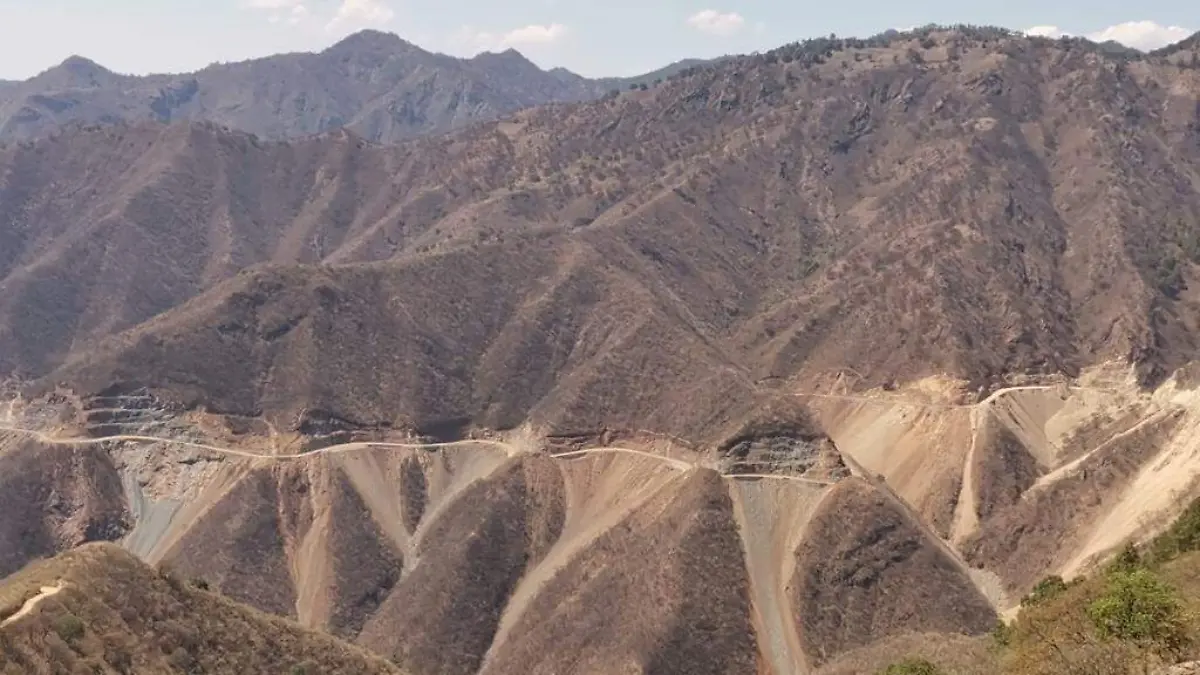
x=273 y=4
x=290 y=12
x=533 y=35
x=1047 y=32
x=716 y=23
x=1143 y=35
x=360 y=13
x=294 y=16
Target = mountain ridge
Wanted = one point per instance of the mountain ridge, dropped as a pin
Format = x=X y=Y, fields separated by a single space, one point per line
x=376 y=83
x=898 y=325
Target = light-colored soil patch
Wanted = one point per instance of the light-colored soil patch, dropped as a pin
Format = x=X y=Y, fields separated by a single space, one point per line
x=771 y=517
x=32 y=603
x=920 y=450
x=1163 y=487
x=602 y=490
x=966 y=514
x=450 y=471
x=380 y=491
x=308 y=552
x=1026 y=414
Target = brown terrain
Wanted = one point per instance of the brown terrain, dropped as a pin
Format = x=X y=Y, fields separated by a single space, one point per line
x=382 y=87
x=98 y=610
x=786 y=359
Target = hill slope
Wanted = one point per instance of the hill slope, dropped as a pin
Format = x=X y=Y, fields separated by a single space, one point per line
x=466 y=559
x=979 y=207
x=100 y=610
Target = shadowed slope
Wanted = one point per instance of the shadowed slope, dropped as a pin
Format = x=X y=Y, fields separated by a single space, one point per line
x=866 y=570
x=664 y=592
x=442 y=616
x=54 y=498
x=435 y=344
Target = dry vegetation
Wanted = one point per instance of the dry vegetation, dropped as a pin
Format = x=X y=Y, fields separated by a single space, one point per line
x=677 y=260
x=116 y=615
x=964 y=202
x=1139 y=614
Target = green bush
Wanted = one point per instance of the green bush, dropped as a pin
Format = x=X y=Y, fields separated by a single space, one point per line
x=1002 y=634
x=1139 y=608
x=911 y=667
x=1046 y=589
x=69 y=627
x=1182 y=537
x=1128 y=560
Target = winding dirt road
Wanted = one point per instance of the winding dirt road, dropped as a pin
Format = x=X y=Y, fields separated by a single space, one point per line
x=509 y=449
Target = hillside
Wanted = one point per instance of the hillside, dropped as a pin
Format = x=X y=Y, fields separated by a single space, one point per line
x=382 y=87
x=978 y=208
x=482 y=557
x=899 y=326
x=99 y=610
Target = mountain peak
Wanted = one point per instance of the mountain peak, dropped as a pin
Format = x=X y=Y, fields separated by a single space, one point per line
x=77 y=71
x=371 y=40
x=76 y=63
x=509 y=58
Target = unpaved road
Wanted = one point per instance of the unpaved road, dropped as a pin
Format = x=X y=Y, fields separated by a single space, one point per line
x=332 y=449
x=32 y=603
x=901 y=400
x=508 y=448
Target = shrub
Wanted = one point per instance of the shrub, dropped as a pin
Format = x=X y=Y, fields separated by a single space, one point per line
x=1182 y=537
x=1002 y=634
x=1138 y=607
x=911 y=667
x=1046 y=589
x=69 y=627
x=1128 y=560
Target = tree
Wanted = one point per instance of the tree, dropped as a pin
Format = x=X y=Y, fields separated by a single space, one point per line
x=1139 y=608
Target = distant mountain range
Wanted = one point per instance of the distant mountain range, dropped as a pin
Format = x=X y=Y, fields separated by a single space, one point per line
x=378 y=85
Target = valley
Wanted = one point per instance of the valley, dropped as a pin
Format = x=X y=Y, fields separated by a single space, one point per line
x=799 y=362
x=407 y=500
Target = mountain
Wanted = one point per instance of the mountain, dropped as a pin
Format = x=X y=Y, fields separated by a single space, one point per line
x=898 y=326
x=99 y=610
x=765 y=231
x=382 y=87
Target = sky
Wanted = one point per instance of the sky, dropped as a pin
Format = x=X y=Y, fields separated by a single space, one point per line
x=591 y=37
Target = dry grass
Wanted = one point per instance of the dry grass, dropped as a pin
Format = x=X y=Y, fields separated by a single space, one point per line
x=116 y=615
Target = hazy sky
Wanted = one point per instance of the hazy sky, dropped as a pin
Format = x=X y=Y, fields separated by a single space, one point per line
x=592 y=37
